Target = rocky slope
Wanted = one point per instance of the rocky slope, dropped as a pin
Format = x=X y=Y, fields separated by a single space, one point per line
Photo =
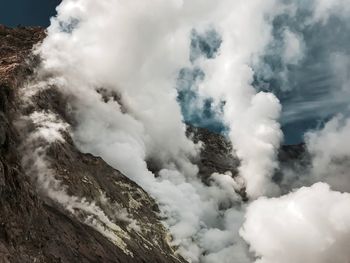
x=40 y=222
x=35 y=225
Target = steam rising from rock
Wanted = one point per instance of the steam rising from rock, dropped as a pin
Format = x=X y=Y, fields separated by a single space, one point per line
x=118 y=61
x=141 y=65
x=49 y=129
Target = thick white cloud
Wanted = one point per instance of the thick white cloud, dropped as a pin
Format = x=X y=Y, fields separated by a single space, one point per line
x=311 y=225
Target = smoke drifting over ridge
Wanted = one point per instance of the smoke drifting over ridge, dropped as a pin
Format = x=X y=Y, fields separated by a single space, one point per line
x=136 y=50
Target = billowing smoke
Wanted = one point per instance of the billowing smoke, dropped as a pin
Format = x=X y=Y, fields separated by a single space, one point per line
x=330 y=151
x=140 y=66
x=121 y=62
x=310 y=224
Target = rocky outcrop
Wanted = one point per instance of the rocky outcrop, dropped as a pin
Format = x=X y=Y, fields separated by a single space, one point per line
x=216 y=155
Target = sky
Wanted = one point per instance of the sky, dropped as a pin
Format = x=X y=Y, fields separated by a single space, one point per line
x=27 y=13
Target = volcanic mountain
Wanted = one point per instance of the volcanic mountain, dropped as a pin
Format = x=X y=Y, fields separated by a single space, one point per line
x=111 y=218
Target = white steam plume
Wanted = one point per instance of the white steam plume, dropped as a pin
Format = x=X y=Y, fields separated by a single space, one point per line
x=252 y=117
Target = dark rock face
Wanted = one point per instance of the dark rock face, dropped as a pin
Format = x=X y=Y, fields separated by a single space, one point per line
x=37 y=228
x=216 y=155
